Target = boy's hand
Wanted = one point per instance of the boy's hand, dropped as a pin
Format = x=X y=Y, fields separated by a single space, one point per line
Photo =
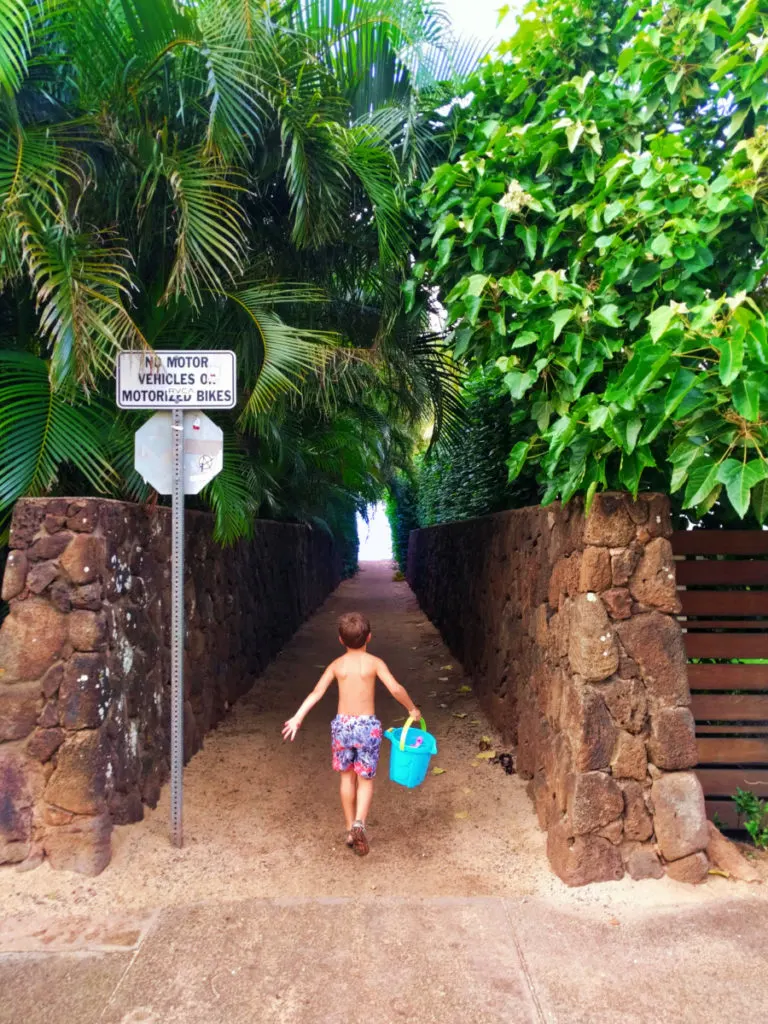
x=415 y=714
x=290 y=728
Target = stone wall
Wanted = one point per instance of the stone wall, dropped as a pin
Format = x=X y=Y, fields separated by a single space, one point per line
x=85 y=661
x=566 y=624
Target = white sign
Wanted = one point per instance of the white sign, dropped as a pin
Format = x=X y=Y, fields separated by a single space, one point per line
x=164 y=380
x=203 y=452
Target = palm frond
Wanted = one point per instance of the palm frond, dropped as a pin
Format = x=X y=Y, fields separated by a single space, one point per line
x=40 y=431
x=15 y=30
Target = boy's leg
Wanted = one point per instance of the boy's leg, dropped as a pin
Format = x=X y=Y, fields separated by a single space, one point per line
x=348 y=787
x=364 y=798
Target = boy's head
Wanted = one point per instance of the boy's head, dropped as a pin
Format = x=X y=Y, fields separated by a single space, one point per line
x=354 y=630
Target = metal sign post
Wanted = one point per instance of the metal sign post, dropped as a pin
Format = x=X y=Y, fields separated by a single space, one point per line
x=177 y=461
x=177 y=628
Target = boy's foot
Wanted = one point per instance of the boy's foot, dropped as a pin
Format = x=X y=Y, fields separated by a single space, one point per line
x=360 y=839
x=349 y=840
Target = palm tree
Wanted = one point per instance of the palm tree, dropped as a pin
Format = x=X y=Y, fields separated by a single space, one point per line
x=224 y=171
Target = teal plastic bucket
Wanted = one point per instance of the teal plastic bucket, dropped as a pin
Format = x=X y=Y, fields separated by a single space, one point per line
x=411 y=754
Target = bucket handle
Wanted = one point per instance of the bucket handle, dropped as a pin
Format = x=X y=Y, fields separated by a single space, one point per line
x=408 y=723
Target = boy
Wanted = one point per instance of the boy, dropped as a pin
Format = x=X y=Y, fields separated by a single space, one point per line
x=355 y=731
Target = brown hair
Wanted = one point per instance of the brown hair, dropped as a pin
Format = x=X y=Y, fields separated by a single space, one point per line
x=354 y=629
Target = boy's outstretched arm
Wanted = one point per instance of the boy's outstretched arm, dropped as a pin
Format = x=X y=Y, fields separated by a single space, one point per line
x=398 y=692
x=293 y=725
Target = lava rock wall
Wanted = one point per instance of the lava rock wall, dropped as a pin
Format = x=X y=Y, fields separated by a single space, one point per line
x=85 y=659
x=567 y=624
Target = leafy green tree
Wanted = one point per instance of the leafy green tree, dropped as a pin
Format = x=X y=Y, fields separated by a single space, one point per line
x=211 y=173
x=600 y=234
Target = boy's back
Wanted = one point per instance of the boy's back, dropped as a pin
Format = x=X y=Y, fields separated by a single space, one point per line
x=356 y=673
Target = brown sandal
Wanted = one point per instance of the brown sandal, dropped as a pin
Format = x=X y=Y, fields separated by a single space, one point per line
x=360 y=839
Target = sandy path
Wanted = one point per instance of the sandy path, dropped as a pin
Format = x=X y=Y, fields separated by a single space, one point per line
x=263 y=819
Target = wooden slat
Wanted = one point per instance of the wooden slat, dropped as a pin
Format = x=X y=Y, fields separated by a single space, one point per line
x=726 y=645
x=715 y=602
x=732 y=730
x=730 y=707
x=726 y=812
x=725 y=781
x=728 y=677
x=718 y=750
x=715 y=572
x=720 y=542
x=689 y=625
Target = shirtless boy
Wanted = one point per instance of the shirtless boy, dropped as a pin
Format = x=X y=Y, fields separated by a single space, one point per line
x=355 y=731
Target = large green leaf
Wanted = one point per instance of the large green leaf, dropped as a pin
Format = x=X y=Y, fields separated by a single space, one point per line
x=739 y=479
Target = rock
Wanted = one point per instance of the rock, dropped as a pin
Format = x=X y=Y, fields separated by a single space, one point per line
x=691 y=869
x=595 y=572
x=44 y=743
x=625 y=699
x=592 y=649
x=60 y=596
x=31 y=638
x=52 y=524
x=629 y=758
x=642 y=861
x=41 y=576
x=638 y=824
x=87 y=630
x=593 y=800
x=126 y=808
x=27 y=518
x=48 y=547
x=659 y=523
x=609 y=522
x=79 y=782
x=19 y=707
x=14 y=851
x=83 y=516
x=613 y=831
x=84 y=559
x=543 y=801
x=84 y=692
x=653 y=582
x=623 y=563
x=680 y=819
x=15 y=574
x=85 y=846
x=21 y=784
x=588 y=727
x=673 y=739
x=89 y=596
x=49 y=716
x=580 y=860
x=564 y=579
x=51 y=681
x=618 y=602
x=655 y=642
x=726 y=855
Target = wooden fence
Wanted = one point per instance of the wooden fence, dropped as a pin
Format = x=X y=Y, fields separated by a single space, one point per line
x=722 y=578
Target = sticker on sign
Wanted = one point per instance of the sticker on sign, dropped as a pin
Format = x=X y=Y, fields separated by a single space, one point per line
x=162 y=380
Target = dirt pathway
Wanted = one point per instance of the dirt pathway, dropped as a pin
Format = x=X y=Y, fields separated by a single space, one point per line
x=262 y=818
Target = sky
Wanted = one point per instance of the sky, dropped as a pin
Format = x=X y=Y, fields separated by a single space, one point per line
x=478 y=18
x=375 y=538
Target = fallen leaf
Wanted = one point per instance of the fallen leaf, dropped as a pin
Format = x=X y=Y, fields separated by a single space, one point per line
x=461 y=814
x=432 y=694
x=446 y=668
x=459 y=714
x=717 y=871
x=485 y=755
x=614 y=921
x=475 y=764
x=465 y=689
x=442 y=705
x=442 y=679
x=485 y=743
x=438 y=771
x=475 y=721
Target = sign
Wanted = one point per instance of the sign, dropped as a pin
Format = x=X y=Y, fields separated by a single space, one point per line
x=203 y=454
x=185 y=379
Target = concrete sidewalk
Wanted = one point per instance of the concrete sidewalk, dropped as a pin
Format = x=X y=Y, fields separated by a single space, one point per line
x=386 y=960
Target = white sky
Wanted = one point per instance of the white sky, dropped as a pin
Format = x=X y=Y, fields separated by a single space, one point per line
x=375 y=537
x=478 y=18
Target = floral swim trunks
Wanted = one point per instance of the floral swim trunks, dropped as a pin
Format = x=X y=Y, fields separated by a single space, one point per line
x=355 y=744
